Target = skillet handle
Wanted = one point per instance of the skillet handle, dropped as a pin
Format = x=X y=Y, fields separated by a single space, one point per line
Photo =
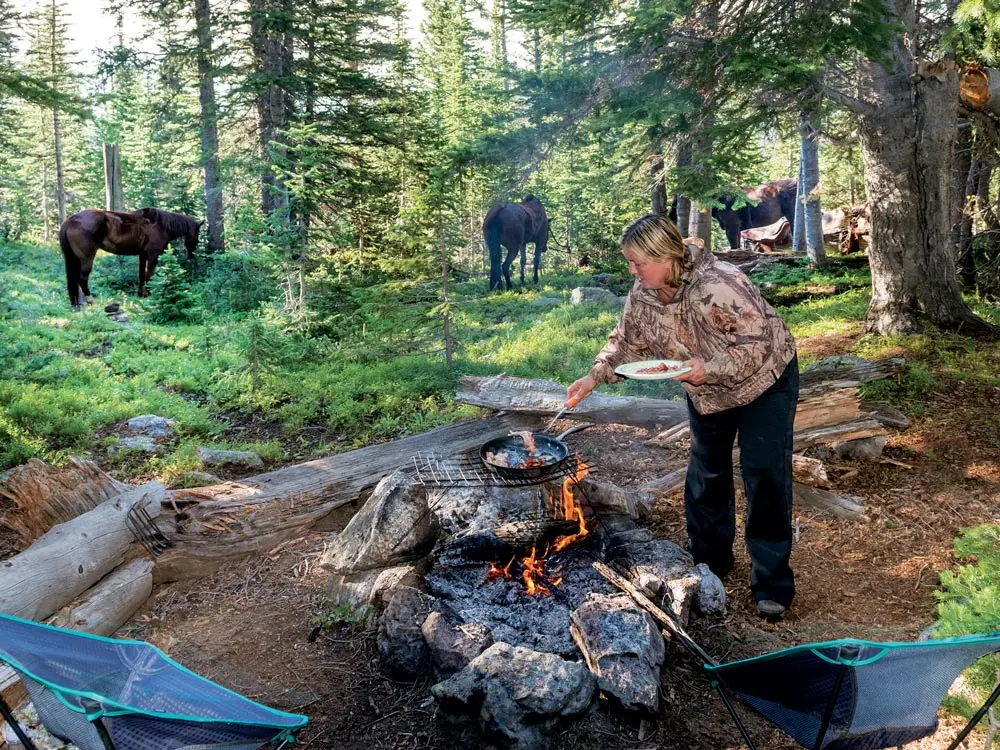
x=574 y=428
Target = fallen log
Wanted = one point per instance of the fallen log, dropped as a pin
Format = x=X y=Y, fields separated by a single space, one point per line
x=44 y=495
x=72 y=556
x=810 y=471
x=210 y=526
x=529 y=396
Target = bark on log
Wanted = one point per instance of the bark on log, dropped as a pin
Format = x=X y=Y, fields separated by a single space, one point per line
x=108 y=605
x=887 y=415
x=45 y=495
x=809 y=471
x=843 y=506
x=529 y=396
x=210 y=526
x=862 y=428
x=71 y=557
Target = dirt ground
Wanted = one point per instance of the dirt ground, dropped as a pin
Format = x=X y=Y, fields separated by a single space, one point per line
x=248 y=627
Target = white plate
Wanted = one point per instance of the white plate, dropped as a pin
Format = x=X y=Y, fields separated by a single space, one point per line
x=630 y=369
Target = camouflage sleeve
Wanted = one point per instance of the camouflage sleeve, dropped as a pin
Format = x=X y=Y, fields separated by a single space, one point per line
x=623 y=346
x=738 y=327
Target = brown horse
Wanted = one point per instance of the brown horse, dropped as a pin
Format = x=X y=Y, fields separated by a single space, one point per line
x=145 y=233
x=514 y=225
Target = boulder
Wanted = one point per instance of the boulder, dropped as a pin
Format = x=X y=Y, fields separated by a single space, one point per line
x=400 y=640
x=235 y=458
x=864 y=449
x=623 y=648
x=710 y=600
x=395 y=525
x=453 y=647
x=650 y=565
x=369 y=587
x=141 y=444
x=152 y=425
x=518 y=696
x=594 y=294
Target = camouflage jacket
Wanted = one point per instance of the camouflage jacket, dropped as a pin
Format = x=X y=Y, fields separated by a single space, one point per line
x=717 y=315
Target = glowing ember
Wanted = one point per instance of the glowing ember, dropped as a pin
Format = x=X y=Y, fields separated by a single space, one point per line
x=566 y=507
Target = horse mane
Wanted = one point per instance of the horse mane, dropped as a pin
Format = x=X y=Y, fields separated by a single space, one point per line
x=176 y=225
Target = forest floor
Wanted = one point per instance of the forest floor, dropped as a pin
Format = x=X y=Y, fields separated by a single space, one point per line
x=247 y=626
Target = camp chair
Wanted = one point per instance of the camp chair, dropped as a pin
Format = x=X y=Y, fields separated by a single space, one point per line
x=107 y=694
x=849 y=694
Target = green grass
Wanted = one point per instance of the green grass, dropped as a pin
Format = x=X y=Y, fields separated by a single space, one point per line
x=370 y=371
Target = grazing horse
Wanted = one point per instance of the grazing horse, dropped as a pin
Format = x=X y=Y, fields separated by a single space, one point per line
x=514 y=225
x=145 y=233
x=767 y=204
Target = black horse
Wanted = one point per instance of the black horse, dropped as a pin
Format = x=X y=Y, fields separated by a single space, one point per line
x=514 y=225
x=766 y=204
x=145 y=233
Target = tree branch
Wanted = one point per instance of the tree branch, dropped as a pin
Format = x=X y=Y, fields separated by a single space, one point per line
x=852 y=103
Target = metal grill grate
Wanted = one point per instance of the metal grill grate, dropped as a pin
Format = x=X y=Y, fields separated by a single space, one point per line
x=468 y=470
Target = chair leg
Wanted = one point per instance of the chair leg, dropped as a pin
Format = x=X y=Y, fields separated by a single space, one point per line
x=975 y=719
x=735 y=716
x=830 y=706
x=8 y=716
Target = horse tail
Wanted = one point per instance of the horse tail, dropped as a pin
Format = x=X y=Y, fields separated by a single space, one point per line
x=72 y=266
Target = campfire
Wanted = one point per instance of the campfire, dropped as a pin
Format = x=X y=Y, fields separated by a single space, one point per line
x=566 y=507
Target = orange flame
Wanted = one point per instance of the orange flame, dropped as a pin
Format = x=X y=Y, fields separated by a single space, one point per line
x=536 y=580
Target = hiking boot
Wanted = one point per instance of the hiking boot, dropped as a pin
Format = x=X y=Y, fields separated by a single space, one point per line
x=770 y=610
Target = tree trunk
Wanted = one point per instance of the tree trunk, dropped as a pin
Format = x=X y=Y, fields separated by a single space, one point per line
x=959 y=177
x=56 y=134
x=683 y=203
x=701 y=224
x=214 y=215
x=267 y=43
x=907 y=144
x=799 y=223
x=812 y=215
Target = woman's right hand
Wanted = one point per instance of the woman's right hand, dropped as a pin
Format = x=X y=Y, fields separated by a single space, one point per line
x=579 y=390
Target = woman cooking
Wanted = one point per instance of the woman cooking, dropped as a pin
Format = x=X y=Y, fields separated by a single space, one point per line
x=743 y=383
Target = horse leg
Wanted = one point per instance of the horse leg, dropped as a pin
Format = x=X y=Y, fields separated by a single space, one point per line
x=143 y=259
x=154 y=258
x=85 y=268
x=524 y=260
x=72 y=269
x=492 y=234
x=539 y=249
x=505 y=268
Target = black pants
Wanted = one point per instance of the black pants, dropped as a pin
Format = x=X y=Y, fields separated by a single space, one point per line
x=764 y=427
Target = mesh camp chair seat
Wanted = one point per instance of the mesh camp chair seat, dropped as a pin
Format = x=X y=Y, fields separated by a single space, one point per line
x=854 y=694
x=108 y=694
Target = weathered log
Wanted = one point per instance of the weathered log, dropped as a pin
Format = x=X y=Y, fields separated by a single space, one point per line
x=116 y=597
x=71 y=557
x=839 y=433
x=809 y=471
x=44 y=495
x=671 y=435
x=210 y=526
x=979 y=89
x=848 y=370
x=529 y=396
x=848 y=507
x=886 y=414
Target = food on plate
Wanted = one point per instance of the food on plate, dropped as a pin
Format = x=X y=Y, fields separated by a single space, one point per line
x=662 y=367
x=515 y=460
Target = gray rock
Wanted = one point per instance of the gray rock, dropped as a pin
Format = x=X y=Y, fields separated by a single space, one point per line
x=864 y=449
x=400 y=641
x=195 y=479
x=369 y=587
x=546 y=302
x=453 y=647
x=519 y=696
x=235 y=458
x=112 y=307
x=683 y=592
x=152 y=425
x=593 y=294
x=394 y=526
x=650 y=565
x=603 y=280
x=137 y=444
x=711 y=597
x=624 y=649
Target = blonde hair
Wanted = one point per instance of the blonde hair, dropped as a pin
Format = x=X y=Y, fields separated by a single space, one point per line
x=656 y=238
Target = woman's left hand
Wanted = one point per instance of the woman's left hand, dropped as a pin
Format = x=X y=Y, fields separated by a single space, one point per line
x=697 y=374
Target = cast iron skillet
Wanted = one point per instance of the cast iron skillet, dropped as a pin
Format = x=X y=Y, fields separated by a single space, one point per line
x=553 y=449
